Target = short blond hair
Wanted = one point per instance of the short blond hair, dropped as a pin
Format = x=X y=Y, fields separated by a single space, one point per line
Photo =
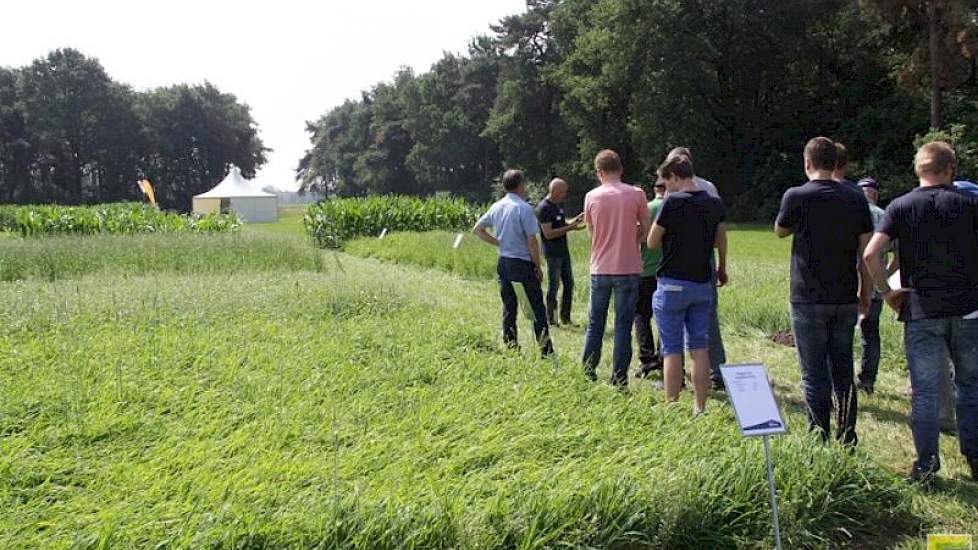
x=608 y=161
x=934 y=158
x=841 y=156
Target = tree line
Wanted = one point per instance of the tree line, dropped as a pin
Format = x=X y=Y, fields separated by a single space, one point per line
x=70 y=134
x=743 y=83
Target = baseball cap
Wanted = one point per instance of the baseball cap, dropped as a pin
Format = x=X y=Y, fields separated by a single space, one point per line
x=869 y=182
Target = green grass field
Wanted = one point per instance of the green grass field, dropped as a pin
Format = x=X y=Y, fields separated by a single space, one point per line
x=289 y=223
x=256 y=393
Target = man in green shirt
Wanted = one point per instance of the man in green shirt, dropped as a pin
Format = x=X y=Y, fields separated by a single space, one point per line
x=648 y=357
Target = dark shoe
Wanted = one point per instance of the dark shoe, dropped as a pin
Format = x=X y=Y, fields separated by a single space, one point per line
x=866 y=387
x=646 y=369
x=973 y=462
x=924 y=474
x=719 y=386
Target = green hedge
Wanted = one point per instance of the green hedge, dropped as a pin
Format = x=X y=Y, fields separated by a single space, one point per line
x=330 y=223
x=116 y=218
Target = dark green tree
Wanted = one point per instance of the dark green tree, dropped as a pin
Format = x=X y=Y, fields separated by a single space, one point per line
x=193 y=135
x=937 y=41
x=15 y=149
x=448 y=108
x=525 y=122
x=66 y=101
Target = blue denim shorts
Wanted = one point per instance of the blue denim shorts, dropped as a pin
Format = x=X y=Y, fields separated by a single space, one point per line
x=682 y=312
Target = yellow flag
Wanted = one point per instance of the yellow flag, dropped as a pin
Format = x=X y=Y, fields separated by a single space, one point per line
x=147 y=188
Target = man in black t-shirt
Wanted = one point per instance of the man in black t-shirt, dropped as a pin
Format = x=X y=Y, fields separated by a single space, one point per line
x=935 y=228
x=831 y=225
x=688 y=225
x=555 y=227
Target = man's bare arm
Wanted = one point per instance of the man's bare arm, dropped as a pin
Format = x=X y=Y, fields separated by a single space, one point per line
x=534 y=245
x=782 y=232
x=865 y=277
x=656 y=234
x=550 y=233
x=721 y=246
x=644 y=224
x=484 y=235
x=874 y=264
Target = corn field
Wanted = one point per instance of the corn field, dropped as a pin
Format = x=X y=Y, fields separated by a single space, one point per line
x=331 y=223
x=115 y=218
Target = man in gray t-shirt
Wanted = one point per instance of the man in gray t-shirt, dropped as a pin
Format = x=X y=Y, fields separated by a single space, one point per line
x=706 y=185
x=869 y=324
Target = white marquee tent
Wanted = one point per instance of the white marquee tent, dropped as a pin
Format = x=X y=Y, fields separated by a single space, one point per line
x=241 y=196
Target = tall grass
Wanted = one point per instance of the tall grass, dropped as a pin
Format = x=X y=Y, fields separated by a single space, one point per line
x=368 y=407
x=754 y=303
x=68 y=257
x=331 y=223
x=124 y=218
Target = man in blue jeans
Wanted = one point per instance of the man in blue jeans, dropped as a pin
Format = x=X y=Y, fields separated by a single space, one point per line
x=618 y=218
x=869 y=323
x=831 y=225
x=516 y=228
x=688 y=225
x=718 y=354
x=936 y=229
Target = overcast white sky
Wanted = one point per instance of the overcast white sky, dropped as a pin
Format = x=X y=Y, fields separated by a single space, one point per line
x=290 y=60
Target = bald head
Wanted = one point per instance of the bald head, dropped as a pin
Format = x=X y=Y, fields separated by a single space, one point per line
x=557 y=190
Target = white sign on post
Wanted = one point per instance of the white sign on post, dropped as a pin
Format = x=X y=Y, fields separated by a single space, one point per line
x=458 y=241
x=752 y=399
x=758 y=415
x=383 y=233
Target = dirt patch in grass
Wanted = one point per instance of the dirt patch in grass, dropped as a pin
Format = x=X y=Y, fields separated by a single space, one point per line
x=784 y=337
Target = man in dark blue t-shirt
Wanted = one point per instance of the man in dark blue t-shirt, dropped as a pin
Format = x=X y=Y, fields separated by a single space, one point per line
x=831 y=225
x=688 y=225
x=936 y=229
x=555 y=227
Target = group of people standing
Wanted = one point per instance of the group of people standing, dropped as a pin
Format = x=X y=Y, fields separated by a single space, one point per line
x=933 y=232
x=658 y=266
x=664 y=259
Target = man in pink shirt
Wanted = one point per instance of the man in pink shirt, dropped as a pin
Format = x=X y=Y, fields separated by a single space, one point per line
x=618 y=218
